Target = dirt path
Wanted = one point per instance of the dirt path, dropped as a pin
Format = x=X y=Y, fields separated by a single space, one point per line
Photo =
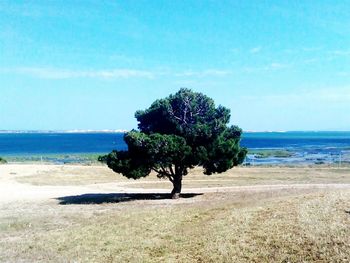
x=12 y=190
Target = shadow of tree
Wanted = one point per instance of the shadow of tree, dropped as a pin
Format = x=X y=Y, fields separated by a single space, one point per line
x=115 y=198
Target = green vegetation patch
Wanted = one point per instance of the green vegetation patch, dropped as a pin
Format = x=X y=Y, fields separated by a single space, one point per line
x=271 y=153
x=84 y=158
x=2 y=161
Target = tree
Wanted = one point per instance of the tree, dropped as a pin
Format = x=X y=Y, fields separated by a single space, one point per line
x=176 y=134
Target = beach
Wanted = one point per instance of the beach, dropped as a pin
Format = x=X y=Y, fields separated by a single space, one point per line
x=88 y=213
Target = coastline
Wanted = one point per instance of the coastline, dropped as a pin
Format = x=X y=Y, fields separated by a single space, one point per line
x=53 y=158
x=255 y=157
x=84 y=146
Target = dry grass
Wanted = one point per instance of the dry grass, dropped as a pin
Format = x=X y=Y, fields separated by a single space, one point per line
x=254 y=176
x=71 y=175
x=84 y=175
x=260 y=225
x=245 y=227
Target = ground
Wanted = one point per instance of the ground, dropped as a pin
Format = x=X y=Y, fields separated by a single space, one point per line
x=89 y=214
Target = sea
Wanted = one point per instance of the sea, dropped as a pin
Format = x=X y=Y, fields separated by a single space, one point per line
x=264 y=147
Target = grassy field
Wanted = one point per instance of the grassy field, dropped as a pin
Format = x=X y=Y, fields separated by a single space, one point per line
x=267 y=225
x=64 y=175
x=239 y=176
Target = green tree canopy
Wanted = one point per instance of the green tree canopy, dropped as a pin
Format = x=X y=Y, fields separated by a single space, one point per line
x=176 y=134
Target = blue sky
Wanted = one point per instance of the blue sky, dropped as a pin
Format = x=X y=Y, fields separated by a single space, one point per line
x=278 y=65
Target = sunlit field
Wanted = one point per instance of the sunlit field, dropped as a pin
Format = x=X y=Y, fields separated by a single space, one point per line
x=72 y=214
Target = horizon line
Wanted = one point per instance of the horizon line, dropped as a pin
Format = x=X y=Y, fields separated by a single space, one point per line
x=125 y=130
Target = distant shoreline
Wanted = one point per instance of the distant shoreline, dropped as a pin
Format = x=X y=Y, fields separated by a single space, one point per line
x=85 y=146
x=60 y=131
x=124 y=131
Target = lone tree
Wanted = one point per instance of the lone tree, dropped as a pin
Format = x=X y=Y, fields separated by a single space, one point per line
x=176 y=134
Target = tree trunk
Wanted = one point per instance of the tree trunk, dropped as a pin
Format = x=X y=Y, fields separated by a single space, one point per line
x=177 y=184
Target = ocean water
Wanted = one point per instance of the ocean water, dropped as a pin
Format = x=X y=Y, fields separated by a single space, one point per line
x=59 y=143
x=272 y=140
x=305 y=147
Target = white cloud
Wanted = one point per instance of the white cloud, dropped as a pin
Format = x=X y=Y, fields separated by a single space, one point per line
x=340 y=52
x=312 y=49
x=305 y=50
x=255 y=50
x=336 y=54
x=339 y=94
x=204 y=73
x=55 y=73
x=60 y=73
x=276 y=65
x=310 y=60
x=269 y=67
x=329 y=94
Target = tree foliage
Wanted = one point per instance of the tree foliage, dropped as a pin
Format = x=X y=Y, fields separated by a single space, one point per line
x=178 y=133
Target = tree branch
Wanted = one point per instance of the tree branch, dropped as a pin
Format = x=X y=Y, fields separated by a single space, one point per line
x=157 y=171
x=171 y=112
x=171 y=170
x=164 y=173
x=164 y=170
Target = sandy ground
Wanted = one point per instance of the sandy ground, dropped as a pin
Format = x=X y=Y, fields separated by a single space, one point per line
x=13 y=191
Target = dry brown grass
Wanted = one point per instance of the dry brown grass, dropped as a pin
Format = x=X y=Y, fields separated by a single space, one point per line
x=71 y=175
x=254 y=176
x=260 y=225
x=232 y=227
x=84 y=175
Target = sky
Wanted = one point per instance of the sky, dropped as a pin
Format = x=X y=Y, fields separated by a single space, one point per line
x=90 y=64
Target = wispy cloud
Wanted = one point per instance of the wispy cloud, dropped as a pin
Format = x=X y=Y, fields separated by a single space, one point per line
x=204 y=73
x=312 y=49
x=337 y=54
x=343 y=73
x=329 y=94
x=270 y=67
x=304 y=50
x=276 y=65
x=55 y=73
x=124 y=73
x=317 y=54
x=310 y=60
x=335 y=94
x=340 y=52
x=255 y=50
